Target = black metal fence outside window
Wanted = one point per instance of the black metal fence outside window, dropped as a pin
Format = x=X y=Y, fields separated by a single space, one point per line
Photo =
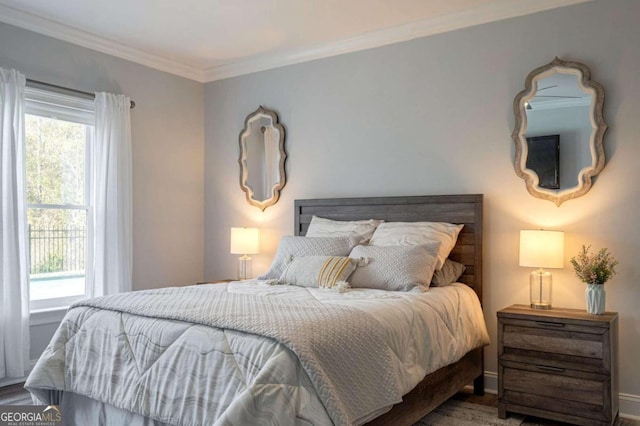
x=56 y=250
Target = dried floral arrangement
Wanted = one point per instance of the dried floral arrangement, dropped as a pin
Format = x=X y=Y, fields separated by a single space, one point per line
x=594 y=268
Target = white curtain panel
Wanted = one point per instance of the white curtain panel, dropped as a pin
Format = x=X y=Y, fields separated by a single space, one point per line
x=14 y=256
x=112 y=196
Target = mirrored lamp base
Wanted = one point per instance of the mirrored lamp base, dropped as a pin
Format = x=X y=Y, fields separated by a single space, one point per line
x=540 y=284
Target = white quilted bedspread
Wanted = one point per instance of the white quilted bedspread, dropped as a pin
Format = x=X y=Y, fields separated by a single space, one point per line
x=232 y=354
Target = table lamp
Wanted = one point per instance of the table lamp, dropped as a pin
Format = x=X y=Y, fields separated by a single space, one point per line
x=541 y=249
x=244 y=241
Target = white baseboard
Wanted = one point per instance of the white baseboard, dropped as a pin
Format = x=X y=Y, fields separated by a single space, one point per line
x=11 y=381
x=491 y=382
x=629 y=404
x=14 y=380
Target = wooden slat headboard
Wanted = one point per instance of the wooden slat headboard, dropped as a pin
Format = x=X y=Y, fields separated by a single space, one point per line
x=460 y=209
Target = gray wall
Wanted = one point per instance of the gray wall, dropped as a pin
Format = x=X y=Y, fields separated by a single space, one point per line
x=167 y=130
x=167 y=134
x=434 y=116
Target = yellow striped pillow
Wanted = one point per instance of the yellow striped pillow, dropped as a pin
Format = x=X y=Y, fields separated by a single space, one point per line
x=318 y=271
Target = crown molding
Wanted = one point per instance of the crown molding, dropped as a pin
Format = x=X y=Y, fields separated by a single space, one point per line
x=72 y=35
x=503 y=9
x=467 y=18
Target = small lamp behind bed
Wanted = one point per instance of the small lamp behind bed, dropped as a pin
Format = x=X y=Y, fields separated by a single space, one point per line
x=244 y=241
x=541 y=249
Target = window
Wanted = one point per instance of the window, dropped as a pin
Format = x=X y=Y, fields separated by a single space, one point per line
x=59 y=136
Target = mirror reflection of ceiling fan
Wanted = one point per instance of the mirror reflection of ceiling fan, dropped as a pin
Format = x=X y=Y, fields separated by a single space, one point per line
x=528 y=105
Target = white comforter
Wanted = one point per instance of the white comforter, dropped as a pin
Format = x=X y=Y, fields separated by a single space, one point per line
x=253 y=376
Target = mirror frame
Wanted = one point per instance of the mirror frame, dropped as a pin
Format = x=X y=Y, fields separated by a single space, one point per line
x=595 y=144
x=242 y=160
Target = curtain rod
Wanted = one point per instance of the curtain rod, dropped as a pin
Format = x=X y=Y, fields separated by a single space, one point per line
x=67 y=89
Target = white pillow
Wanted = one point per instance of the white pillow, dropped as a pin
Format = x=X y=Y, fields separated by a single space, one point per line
x=363 y=229
x=307 y=246
x=395 y=268
x=319 y=271
x=416 y=233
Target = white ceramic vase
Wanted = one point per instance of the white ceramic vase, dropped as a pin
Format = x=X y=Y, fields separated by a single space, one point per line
x=595 y=297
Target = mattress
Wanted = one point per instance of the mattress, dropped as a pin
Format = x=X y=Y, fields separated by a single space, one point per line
x=188 y=373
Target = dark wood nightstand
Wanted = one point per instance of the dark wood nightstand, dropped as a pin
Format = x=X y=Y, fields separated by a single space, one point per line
x=560 y=364
x=224 y=281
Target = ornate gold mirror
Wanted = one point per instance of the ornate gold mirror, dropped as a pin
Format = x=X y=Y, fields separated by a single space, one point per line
x=559 y=129
x=262 y=158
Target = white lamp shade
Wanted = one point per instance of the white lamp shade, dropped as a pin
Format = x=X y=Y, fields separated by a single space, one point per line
x=542 y=249
x=244 y=241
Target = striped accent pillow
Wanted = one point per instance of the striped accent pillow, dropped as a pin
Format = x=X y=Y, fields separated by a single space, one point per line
x=307 y=246
x=318 y=271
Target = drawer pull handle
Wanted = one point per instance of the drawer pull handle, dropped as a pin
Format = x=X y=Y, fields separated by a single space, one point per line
x=552 y=369
x=550 y=324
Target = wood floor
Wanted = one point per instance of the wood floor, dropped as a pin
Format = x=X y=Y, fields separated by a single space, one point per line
x=16 y=395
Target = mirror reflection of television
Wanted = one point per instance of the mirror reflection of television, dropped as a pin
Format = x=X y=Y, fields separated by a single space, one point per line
x=544 y=159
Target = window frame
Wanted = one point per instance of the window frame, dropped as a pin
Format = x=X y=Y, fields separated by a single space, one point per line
x=58 y=106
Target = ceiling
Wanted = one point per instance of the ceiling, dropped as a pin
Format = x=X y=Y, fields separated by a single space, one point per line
x=207 y=40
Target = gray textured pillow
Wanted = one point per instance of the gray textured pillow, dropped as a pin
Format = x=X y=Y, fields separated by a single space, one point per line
x=307 y=246
x=416 y=233
x=362 y=229
x=449 y=273
x=395 y=268
x=318 y=271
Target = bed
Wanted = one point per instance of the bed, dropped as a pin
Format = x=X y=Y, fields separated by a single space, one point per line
x=106 y=361
x=440 y=385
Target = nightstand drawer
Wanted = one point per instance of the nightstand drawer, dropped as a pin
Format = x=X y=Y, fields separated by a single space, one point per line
x=543 y=380
x=558 y=390
x=556 y=361
x=567 y=340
